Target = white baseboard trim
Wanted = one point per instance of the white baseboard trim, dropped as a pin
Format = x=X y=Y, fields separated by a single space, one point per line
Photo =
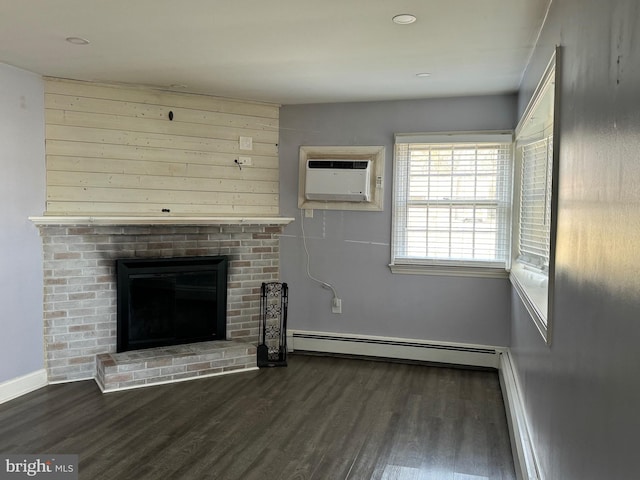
x=397 y=348
x=524 y=457
x=22 y=385
x=71 y=380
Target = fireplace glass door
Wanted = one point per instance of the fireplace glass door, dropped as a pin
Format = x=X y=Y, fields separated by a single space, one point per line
x=170 y=301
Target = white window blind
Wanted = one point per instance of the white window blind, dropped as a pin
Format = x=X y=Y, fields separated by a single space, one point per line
x=451 y=201
x=535 y=203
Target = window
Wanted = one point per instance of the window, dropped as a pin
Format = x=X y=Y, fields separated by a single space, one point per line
x=535 y=203
x=534 y=227
x=451 y=206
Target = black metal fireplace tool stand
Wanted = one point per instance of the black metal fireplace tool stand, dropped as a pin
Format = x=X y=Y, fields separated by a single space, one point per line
x=274 y=302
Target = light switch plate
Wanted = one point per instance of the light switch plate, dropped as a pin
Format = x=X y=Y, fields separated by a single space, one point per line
x=246 y=143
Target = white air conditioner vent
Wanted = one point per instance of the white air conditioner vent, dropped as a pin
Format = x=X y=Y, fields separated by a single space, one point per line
x=338 y=180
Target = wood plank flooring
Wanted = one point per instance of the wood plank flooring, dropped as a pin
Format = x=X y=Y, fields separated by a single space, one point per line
x=320 y=418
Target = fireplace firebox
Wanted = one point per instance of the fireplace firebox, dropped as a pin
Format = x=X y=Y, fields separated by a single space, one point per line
x=170 y=301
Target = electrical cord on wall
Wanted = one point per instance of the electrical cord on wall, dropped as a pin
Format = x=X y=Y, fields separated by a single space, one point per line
x=326 y=285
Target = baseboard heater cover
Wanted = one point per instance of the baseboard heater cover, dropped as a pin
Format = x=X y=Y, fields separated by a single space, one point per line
x=524 y=454
x=439 y=352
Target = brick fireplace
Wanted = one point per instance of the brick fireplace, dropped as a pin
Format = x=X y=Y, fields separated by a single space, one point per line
x=80 y=291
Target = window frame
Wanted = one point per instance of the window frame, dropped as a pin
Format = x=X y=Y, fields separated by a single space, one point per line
x=453 y=267
x=534 y=283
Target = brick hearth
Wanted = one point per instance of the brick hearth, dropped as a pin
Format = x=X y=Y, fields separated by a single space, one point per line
x=117 y=371
x=80 y=291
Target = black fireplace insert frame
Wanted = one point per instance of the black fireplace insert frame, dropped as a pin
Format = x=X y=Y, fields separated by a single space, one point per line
x=150 y=267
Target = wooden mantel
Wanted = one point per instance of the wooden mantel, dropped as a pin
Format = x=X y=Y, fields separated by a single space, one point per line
x=155 y=220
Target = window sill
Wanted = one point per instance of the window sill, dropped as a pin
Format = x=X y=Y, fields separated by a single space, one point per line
x=449 y=270
x=533 y=290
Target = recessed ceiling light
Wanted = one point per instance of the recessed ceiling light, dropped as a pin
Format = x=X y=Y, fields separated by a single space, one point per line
x=77 y=40
x=404 y=19
x=423 y=74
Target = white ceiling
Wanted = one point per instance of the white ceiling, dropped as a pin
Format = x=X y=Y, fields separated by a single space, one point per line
x=282 y=51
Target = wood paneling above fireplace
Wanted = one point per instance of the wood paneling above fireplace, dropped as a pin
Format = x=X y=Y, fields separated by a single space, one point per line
x=117 y=150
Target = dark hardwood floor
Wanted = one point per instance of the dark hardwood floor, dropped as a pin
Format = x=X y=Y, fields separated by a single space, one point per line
x=320 y=418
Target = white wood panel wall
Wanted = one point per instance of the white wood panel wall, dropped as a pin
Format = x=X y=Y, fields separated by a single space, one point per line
x=113 y=150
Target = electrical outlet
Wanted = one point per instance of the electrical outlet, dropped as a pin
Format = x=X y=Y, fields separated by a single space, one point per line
x=308 y=212
x=336 y=305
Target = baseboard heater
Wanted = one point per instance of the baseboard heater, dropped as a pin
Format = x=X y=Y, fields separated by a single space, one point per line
x=405 y=349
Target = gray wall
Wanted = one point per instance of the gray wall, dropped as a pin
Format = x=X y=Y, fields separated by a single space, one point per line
x=582 y=393
x=22 y=191
x=351 y=249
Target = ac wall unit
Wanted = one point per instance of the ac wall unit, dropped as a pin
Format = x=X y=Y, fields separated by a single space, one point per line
x=338 y=180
